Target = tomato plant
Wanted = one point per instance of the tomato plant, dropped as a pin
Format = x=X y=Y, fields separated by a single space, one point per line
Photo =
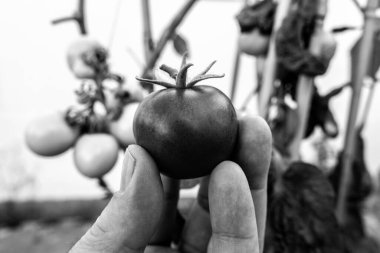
x=187 y=129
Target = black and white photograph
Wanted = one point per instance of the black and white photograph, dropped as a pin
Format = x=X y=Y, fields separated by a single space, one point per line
x=190 y=126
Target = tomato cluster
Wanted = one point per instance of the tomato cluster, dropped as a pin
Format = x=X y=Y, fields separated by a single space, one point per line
x=99 y=125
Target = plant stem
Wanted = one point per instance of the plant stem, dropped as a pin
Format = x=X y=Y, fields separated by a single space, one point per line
x=105 y=187
x=78 y=16
x=148 y=40
x=165 y=37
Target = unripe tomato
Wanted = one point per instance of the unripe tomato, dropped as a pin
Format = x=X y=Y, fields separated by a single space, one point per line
x=254 y=43
x=187 y=129
x=122 y=128
x=95 y=154
x=50 y=135
x=84 y=55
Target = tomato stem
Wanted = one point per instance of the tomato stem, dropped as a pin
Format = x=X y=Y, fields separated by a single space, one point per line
x=201 y=78
x=171 y=71
x=162 y=83
x=182 y=75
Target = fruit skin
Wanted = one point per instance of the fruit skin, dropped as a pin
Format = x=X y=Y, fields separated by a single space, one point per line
x=254 y=43
x=95 y=154
x=83 y=49
x=122 y=128
x=50 y=135
x=187 y=131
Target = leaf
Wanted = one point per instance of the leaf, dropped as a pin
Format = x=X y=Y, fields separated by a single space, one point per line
x=180 y=44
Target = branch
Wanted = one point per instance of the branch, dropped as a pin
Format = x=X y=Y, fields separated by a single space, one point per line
x=78 y=16
x=165 y=37
x=148 y=40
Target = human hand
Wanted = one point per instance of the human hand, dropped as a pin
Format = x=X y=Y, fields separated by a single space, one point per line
x=236 y=197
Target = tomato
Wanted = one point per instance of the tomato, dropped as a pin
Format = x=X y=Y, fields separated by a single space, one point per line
x=187 y=129
x=122 y=128
x=84 y=56
x=254 y=43
x=50 y=135
x=95 y=154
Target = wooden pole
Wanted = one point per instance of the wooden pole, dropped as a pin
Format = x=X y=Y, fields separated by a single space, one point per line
x=365 y=51
x=236 y=67
x=305 y=86
x=271 y=61
x=368 y=103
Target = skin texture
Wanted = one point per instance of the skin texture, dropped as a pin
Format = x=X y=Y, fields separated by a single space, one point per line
x=229 y=215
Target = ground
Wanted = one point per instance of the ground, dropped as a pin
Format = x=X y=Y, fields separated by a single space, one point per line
x=33 y=237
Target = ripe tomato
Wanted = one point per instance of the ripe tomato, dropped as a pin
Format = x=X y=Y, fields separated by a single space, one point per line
x=187 y=129
x=122 y=128
x=50 y=135
x=95 y=154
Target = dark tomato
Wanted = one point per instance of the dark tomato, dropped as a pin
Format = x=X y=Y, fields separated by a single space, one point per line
x=187 y=130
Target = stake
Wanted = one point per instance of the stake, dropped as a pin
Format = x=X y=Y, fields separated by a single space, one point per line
x=368 y=103
x=270 y=63
x=365 y=51
x=236 y=68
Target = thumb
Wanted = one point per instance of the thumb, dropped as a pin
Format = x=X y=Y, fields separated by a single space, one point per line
x=129 y=220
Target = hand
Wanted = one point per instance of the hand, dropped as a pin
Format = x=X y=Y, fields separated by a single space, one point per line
x=236 y=196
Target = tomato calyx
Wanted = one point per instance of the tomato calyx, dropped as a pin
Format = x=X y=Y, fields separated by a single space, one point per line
x=180 y=76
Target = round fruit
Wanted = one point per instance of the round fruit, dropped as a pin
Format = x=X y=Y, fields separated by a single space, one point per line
x=50 y=135
x=187 y=129
x=122 y=128
x=84 y=56
x=254 y=43
x=95 y=154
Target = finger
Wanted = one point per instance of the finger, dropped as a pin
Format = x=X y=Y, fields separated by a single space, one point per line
x=129 y=220
x=197 y=231
x=232 y=211
x=166 y=227
x=253 y=154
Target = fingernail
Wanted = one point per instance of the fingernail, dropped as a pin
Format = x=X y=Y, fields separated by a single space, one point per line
x=129 y=165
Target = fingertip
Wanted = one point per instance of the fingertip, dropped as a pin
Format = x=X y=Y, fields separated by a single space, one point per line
x=258 y=125
x=254 y=149
x=231 y=205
